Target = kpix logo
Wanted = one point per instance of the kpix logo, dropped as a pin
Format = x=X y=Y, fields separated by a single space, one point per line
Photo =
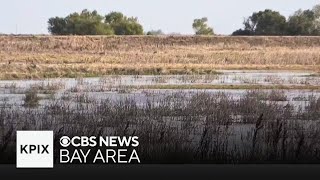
x=34 y=149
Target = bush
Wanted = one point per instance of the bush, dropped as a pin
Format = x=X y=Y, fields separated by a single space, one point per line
x=31 y=98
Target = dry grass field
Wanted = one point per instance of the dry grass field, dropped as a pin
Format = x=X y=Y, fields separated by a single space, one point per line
x=26 y=57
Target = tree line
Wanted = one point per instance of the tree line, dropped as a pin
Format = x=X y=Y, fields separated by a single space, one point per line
x=266 y=23
x=92 y=23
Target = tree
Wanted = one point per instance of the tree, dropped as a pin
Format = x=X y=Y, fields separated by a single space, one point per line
x=58 y=26
x=241 y=32
x=265 y=22
x=91 y=23
x=123 y=25
x=201 y=27
x=316 y=10
x=85 y=23
x=270 y=22
x=155 y=32
x=303 y=23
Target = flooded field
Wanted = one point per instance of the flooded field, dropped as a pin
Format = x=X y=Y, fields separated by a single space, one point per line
x=193 y=125
x=143 y=87
x=221 y=77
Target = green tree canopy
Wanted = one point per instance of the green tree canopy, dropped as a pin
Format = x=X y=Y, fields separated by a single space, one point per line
x=58 y=26
x=85 y=23
x=201 y=27
x=91 y=23
x=241 y=32
x=266 y=22
x=270 y=22
x=316 y=10
x=123 y=25
x=155 y=32
x=304 y=23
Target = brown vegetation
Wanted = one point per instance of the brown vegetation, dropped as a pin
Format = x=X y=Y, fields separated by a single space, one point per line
x=182 y=128
x=72 y=56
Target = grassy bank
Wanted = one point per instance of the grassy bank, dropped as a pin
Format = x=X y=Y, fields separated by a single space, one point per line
x=26 y=57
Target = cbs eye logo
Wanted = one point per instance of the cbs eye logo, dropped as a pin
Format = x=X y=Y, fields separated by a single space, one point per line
x=78 y=141
x=65 y=141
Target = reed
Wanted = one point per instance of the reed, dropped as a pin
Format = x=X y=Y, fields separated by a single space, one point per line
x=182 y=128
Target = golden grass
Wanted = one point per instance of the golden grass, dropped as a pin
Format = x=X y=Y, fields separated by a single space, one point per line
x=71 y=56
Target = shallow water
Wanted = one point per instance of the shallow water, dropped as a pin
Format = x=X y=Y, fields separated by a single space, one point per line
x=226 y=78
x=235 y=131
x=113 y=87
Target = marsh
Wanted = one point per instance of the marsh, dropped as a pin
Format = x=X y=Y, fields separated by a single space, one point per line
x=173 y=126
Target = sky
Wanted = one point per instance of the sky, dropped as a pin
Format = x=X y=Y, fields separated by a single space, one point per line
x=171 y=16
